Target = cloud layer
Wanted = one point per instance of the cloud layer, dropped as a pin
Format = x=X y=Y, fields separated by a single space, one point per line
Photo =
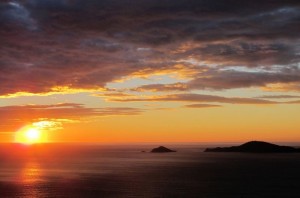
x=86 y=44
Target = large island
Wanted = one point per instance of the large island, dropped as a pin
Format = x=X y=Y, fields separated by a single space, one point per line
x=256 y=147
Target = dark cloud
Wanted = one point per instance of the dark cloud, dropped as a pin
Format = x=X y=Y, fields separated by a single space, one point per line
x=201 y=106
x=162 y=87
x=229 y=79
x=16 y=14
x=292 y=102
x=86 y=44
x=198 y=98
x=278 y=96
x=13 y=117
x=218 y=79
x=249 y=54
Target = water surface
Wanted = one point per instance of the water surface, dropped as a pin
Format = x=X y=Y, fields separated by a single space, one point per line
x=64 y=170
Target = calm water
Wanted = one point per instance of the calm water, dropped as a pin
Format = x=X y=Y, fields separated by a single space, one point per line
x=124 y=171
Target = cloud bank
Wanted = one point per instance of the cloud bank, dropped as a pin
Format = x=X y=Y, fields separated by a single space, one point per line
x=80 y=44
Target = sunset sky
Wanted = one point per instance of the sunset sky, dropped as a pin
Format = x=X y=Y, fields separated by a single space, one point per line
x=121 y=71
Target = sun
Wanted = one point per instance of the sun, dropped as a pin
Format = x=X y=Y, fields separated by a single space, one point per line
x=30 y=135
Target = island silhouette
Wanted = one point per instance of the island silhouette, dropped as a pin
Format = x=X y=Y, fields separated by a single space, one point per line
x=255 y=147
x=161 y=149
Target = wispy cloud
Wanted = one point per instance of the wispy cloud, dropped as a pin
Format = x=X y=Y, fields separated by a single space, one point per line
x=201 y=106
x=198 y=98
x=12 y=117
x=278 y=96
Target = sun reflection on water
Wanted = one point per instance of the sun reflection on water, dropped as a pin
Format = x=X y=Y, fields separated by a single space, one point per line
x=31 y=178
x=31 y=173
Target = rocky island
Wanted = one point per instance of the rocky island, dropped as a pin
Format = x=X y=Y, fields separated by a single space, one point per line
x=161 y=149
x=256 y=147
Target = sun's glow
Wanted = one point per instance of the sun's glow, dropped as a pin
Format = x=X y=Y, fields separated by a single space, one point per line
x=30 y=135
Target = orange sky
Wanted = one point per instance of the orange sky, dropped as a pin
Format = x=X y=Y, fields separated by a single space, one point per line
x=154 y=121
x=201 y=71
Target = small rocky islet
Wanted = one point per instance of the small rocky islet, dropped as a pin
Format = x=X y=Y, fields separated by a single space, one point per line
x=162 y=149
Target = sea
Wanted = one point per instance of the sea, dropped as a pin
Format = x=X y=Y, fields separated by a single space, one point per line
x=93 y=170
